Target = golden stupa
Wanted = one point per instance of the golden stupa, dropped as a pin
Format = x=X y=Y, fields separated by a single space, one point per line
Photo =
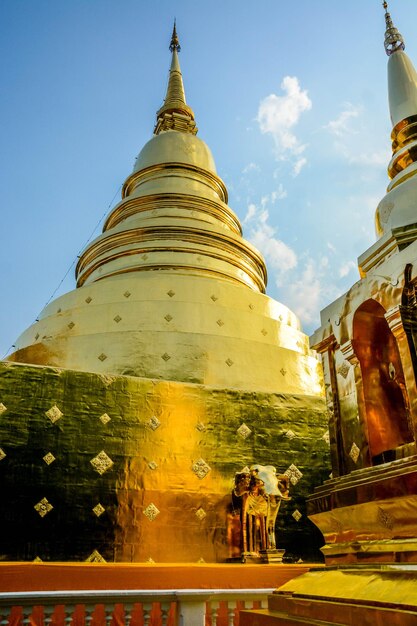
x=135 y=398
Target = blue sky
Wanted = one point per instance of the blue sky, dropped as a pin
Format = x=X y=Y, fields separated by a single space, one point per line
x=291 y=97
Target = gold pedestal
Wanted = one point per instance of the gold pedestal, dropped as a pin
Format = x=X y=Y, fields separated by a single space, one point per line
x=368 y=516
x=271 y=556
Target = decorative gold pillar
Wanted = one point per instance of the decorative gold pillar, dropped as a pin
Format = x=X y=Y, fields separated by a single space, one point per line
x=327 y=350
x=363 y=460
x=395 y=322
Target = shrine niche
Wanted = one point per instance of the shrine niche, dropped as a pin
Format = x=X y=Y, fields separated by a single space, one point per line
x=367 y=337
x=385 y=396
x=255 y=502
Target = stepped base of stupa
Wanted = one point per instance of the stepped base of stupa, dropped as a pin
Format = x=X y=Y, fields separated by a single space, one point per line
x=127 y=469
x=342 y=596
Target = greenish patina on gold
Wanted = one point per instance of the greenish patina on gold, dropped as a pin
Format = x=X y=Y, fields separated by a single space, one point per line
x=156 y=433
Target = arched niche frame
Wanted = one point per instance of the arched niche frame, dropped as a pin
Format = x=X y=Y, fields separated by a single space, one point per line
x=405 y=316
x=386 y=403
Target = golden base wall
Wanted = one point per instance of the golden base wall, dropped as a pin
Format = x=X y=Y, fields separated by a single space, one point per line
x=118 y=468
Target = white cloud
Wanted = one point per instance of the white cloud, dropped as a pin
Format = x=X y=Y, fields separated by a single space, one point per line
x=304 y=293
x=280 y=256
x=279 y=194
x=346 y=142
x=271 y=198
x=346 y=268
x=298 y=166
x=251 y=212
x=278 y=115
x=251 y=167
x=309 y=289
x=340 y=126
x=304 y=284
x=262 y=235
x=379 y=158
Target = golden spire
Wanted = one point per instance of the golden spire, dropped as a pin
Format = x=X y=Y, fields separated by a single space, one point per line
x=175 y=114
x=393 y=38
x=396 y=211
x=175 y=43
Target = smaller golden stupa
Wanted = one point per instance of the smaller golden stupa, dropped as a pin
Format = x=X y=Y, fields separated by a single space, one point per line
x=368 y=510
x=368 y=340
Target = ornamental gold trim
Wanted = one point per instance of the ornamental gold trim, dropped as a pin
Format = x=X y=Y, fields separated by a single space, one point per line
x=54 y=414
x=244 y=431
x=101 y=463
x=154 y=422
x=98 y=509
x=151 y=512
x=49 y=458
x=293 y=474
x=354 y=452
x=214 y=181
x=43 y=507
x=290 y=434
x=201 y=468
x=105 y=419
x=95 y=557
x=200 y=514
x=135 y=206
x=225 y=247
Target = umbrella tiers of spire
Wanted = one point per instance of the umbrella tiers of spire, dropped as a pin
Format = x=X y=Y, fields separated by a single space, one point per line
x=397 y=209
x=393 y=38
x=175 y=114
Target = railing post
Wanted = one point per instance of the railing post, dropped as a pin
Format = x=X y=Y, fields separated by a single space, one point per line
x=147 y=608
x=214 y=612
x=4 y=617
x=48 y=611
x=191 y=608
x=165 y=606
x=108 y=610
x=128 y=608
x=231 y=610
x=26 y=613
x=89 y=610
x=68 y=613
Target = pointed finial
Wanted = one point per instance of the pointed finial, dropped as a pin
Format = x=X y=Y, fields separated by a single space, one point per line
x=175 y=42
x=393 y=39
x=175 y=114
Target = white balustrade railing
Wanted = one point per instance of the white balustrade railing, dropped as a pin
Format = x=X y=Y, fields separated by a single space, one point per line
x=184 y=607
